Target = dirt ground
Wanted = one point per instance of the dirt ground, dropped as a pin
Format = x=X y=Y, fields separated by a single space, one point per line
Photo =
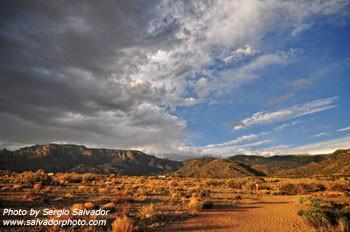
x=269 y=213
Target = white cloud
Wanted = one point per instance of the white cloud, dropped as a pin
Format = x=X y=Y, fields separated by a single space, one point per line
x=286 y=125
x=344 y=129
x=239 y=140
x=230 y=150
x=204 y=32
x=287 y=113
x=323 y=147
x=320 y=134
x=239 y=53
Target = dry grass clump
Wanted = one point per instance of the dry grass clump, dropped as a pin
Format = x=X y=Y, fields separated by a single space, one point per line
x=89 y=177
x=121 y=197
x=176 y=196
x=239 y=183
x=195 y=204
x=17 y=187
x=103 y=191
x=32 y=177
x=198 y=204
x=172 y=183
x=75 y=178
x=122 y=224
x=215 y=183
x=82 y=188
x=147 y=211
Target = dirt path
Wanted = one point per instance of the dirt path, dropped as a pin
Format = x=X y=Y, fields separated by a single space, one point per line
x=270 y=214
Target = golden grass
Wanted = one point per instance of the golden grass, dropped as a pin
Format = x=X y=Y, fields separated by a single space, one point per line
x=122 y=224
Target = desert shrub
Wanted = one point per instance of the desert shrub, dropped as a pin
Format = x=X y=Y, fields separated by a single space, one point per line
x=249 y=186
x=204 y=193
x=82 y=188
x=103 y=191
x=33 y=177
x=338 y=187
x=301 y=188
x=122 y=224
x=199 y=204
x=175 y=196
x=173 y=183
x=88 y=177
x=287 y=188
x=69 y=177
x=316 y=218
x=122 y=196
x=314 y=187
x=344 y=224
x=147 y=211
x=232 y=183
x=195 y=204
x=265 y=186
x=75 y=178
x=215 y=183
x=325 y=215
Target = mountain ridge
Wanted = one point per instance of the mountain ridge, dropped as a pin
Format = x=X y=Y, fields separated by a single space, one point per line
x=79 y=158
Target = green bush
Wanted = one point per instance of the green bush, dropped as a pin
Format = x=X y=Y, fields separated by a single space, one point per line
x=325 y=215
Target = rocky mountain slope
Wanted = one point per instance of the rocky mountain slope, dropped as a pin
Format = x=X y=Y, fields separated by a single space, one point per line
x=276 y=165
x=216 y=168
x=336 y=164
x=66 y=158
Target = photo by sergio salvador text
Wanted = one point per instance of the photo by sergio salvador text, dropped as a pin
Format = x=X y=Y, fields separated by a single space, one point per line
x=53 y=217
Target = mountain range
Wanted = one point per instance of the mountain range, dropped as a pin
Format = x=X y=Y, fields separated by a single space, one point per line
x=78 y=158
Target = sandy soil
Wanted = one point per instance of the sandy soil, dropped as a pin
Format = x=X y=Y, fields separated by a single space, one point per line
x=269 y=214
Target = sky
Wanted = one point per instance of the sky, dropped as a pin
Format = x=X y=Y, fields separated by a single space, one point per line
x=177 y=78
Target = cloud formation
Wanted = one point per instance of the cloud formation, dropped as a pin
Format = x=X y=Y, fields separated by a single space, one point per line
x=344 y=129
x=295 y=111
x=240 y=53
x=112 y=74
x=324 y=147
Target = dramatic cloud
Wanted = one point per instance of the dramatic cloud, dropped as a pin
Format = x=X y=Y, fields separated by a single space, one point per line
x=113 y=74
x=287 y=113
